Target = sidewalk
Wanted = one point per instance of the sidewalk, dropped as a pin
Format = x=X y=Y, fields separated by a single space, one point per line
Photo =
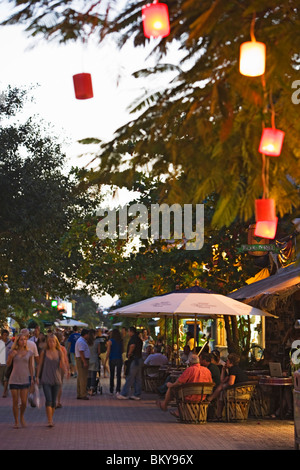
x=105 y=423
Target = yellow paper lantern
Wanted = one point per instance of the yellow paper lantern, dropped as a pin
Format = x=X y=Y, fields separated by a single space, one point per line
x=252 y=58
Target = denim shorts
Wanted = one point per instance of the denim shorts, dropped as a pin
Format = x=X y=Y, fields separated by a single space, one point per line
x=18 y=386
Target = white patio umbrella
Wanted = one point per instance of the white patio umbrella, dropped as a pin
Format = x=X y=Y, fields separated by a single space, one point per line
x=189 y=304
x=71 y=322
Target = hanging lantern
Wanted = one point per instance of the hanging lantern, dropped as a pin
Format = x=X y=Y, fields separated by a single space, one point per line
x=83 y=86
x=265 y=209
x=271 y=142
x=156 y=21
x=266 y=228
x=252 y=58
x=266 y=220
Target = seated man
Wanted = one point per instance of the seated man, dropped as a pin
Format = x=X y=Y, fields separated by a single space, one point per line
x=194 y=373
x=185 y=355
x=230 y=375
x=157 y=358
x=206 y=361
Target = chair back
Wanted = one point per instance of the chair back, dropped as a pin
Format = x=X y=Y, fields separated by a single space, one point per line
x=198 y=388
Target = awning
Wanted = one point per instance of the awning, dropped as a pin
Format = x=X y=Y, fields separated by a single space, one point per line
x=266 y=293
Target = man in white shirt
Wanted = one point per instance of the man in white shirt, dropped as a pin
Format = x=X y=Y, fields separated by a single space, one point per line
x=157 y=358
x=35 y=335
x=82 y=356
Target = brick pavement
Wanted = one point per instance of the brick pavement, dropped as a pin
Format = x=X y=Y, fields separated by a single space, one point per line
x=105 y=423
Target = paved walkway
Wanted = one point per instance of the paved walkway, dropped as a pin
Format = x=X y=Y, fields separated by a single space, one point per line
x=105 y=423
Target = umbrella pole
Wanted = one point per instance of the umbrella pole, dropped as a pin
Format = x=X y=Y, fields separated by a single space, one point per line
x=195 y=333
x=173 y=340
x=177 y=342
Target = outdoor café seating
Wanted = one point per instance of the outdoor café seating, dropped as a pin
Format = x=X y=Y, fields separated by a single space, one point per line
x=237 y=400
x=152 y=378
x=193 y=411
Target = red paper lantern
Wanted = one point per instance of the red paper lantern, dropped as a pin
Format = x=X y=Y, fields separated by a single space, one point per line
x=265 y=209
x=271 y=142
x=156 y=21
x=83 y=86
x=266 y=220
x=266 y=228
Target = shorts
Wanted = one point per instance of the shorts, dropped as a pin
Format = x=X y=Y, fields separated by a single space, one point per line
x=18 y=386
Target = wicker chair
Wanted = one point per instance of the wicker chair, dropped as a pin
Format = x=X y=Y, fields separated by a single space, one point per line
x=237 y=399
x=152 y=378
x=193 y=411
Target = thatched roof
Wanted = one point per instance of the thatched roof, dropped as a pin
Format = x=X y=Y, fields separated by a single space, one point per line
x=266 y=293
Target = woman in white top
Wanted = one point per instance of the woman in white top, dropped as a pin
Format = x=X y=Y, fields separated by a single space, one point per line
x=21 y=376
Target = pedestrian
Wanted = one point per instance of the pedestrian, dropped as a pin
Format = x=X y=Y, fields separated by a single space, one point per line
x=114 y=356
x=147 y=341
x=35 y=335
x=82 y=355
x=134 y=368
x=102 y=348
x=64 y=372
x=93 y=363
x=125 y=339
x=31 y=345
x=5 y=348
x=21 y=377
x=49 y=374
x=74 y=336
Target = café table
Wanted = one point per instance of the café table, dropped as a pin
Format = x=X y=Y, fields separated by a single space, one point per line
x=280 y=382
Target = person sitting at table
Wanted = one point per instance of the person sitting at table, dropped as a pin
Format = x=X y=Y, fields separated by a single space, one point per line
x=230 y=375
x=194 y=373
x=156 y=358
x=205 y=361
x=148 y=352
x=216 y=359
x=185 y=355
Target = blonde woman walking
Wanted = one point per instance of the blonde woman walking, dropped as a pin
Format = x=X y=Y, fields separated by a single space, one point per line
x=21 y=377
x=49 y=374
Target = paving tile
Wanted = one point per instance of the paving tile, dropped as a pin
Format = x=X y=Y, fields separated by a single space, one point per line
x=105 y=423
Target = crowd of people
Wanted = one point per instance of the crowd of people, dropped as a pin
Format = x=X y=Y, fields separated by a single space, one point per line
x=44 y=361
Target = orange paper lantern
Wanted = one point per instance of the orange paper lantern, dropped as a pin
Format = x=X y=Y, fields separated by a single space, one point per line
x=266 y=220
x=266 y=228
x=265 y=209
x=252 y=58
x=156 y=21
x=83 y=86
x=271 y=142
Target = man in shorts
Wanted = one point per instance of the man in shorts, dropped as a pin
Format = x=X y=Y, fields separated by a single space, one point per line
x=71 y=349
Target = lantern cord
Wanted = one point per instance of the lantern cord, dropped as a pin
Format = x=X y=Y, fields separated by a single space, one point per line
x=252 y=28
x=263 y=175
x=272 y=110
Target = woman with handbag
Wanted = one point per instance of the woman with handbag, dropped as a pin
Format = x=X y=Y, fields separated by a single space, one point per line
x=49 y=374
x=20 y=372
